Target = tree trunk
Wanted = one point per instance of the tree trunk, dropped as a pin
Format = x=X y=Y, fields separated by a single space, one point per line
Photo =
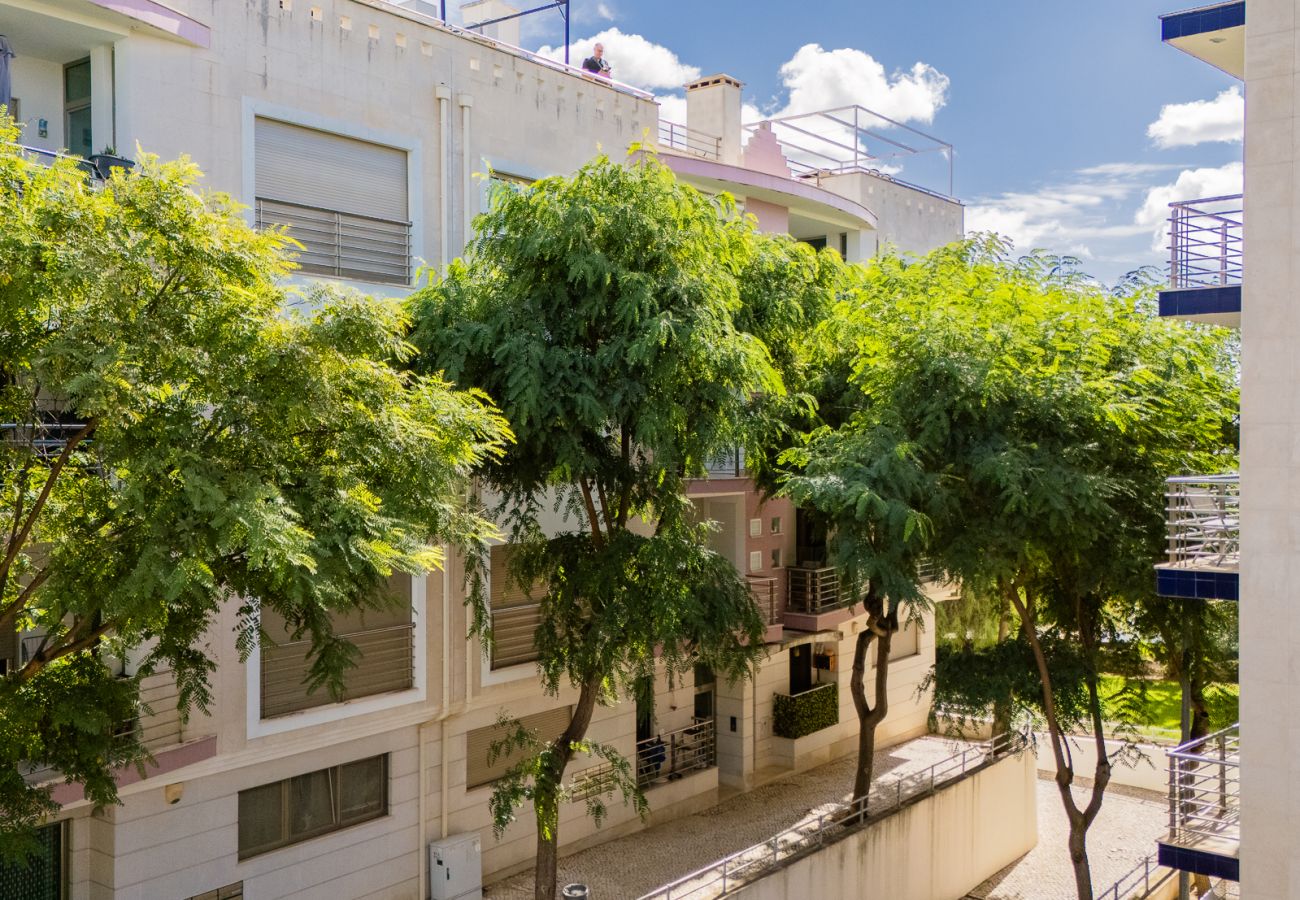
x=1078 y=844
x=546 y=802
x=1002 y=706
x=869 y=715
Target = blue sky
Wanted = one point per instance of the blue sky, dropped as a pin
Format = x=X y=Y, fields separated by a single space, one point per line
x=1048 y=104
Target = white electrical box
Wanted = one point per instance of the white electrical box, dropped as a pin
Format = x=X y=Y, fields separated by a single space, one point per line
x=456 y=868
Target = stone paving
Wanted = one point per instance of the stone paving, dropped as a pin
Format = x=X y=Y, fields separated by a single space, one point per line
x=634 y=865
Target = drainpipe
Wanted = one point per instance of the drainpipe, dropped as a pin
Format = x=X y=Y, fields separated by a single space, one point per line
x=466 y=103
x=443 y=93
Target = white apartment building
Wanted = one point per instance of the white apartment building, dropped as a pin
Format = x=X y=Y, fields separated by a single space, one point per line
x=362 y=125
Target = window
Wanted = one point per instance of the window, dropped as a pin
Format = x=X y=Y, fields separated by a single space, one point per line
x=76 y=108
x=386 y=663
x=478 y=750
x=755 y=560
x=515 y=615
x=906 y=641
x=755 y=528
x=344 y=200
x=43 y=875
x=307 y=806
x=776 y=525
x=229 y=892
x=776 y=558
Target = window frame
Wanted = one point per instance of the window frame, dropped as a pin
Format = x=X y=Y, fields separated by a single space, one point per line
x=334 y=777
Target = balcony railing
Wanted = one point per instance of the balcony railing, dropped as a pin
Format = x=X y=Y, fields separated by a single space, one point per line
x=1203 y=521
x=344 y=245
x=1205 y=247
x=798 y=715
x=763 y=589
x=675 y=753
x=687 y=140
x=1204 y=789
x=815 y=591
x=730 y=464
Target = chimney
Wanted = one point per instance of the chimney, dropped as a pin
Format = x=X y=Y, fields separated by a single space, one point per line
x=486 y=11
x=713 y=108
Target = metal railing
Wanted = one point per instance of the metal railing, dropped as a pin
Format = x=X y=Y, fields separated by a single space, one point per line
x=739 y=869
x=1205 y=242
x=344 y=245
x=688 y=140
x=851 y=139
x=730 y=464
x=763 y=590
x=675 y=752
x=386 y=663
x=1204 y=788
x=814 y=591
x=1139 y=881
x=45 y=439
x=1203 y=520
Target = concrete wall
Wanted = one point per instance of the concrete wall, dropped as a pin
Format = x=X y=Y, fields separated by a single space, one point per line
x=1270 y=454
x=942 y=846
x=911 y=221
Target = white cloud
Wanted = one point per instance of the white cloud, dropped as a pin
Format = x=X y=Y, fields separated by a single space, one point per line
x=604 y=11
x=1191 y=184
x=822 y=79
x=1201 y=121
x=635 y=60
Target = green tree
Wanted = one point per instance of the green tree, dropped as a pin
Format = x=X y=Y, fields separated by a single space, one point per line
x=1042 y=413
x=179 y=433
x=600 y=311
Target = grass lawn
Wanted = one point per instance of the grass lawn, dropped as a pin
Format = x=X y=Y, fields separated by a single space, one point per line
x=1163 y=708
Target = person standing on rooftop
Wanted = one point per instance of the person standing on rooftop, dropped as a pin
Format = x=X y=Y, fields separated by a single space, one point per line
x=596 y=63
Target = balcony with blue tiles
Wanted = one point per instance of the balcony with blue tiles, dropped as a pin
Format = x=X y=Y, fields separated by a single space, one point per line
x=1213 y=34
x=1205 y=261
x=1203 y=523
x=1204 y=807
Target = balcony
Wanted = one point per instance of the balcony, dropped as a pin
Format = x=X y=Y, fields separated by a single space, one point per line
x=1213 y=34
x=1205 y=261
x=815 y=599
x=1203 y=523
x=669 y=756
x=765 y=589
x=1204 y=806
x=808 y=712
x=730 y=464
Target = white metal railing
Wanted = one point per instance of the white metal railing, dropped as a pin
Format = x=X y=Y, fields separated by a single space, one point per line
x=1205 y=242
x=675 y=752
x=748 y=865
x=1205 y=787
x=688 y=140
x=729 y=464
x=345 y=245
x=1139 y=881
x=44 y=439
x=1203 y=520
x=763 y=590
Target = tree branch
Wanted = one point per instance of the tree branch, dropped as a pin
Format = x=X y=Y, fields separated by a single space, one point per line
x=48 y=655
x=10 y=615
x=597 y=539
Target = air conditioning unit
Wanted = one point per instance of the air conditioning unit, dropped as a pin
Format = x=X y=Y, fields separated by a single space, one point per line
x=456 y=868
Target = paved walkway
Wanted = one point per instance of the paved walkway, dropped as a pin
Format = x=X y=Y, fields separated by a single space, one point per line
x=634 y=865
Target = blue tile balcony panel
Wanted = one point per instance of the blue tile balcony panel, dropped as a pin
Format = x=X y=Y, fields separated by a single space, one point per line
x=1200 y=21
x=1200 y=862
x=1192 y=584
x=1201 y=301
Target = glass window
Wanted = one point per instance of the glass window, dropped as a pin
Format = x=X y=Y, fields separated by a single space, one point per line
x=776 y=525
x=76 y=108
x=285 y=812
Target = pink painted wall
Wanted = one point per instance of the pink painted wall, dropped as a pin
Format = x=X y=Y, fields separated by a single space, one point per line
x=771 y=218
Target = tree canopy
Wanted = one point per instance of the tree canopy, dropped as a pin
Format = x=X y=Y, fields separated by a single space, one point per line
x=606 y=314
x=181 y=432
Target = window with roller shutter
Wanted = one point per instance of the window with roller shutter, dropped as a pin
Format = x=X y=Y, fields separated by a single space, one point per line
x=345 y=200
x=384 y=639
x=480 y=769
x=515 y=615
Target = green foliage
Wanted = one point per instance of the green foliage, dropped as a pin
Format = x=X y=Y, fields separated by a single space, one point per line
x=605 y=313
x=232 y=444
x=968 y=680
x=803 y=714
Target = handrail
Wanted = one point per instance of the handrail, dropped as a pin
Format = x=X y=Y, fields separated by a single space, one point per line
x=746 y=866
x=1205 y=242
x=675 y=752
x=681 y=137
x=1203 y=520
x=1137 y=881
x=763 y=589
x=1205 y=787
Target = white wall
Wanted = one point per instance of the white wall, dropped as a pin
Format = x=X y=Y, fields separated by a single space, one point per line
x=942 y=846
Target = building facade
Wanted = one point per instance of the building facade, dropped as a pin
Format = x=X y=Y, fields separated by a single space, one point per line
x=366 y=127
